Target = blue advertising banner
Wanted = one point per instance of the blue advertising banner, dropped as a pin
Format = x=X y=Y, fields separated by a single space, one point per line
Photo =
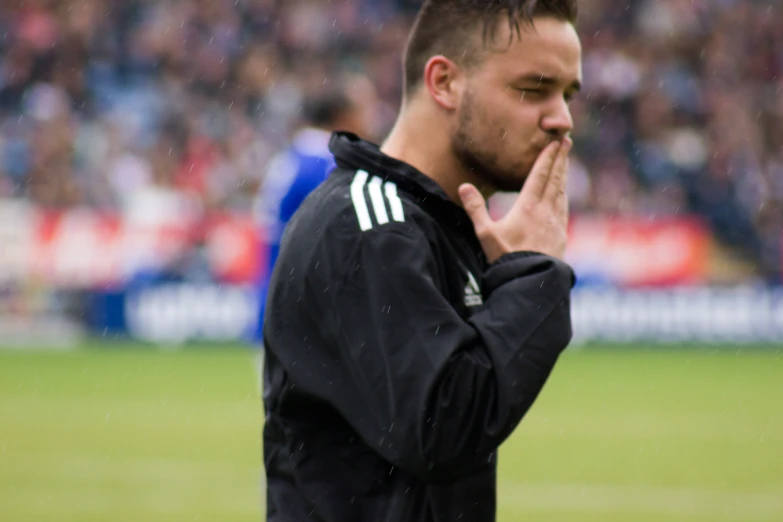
x=737 y=314
x=176 y=312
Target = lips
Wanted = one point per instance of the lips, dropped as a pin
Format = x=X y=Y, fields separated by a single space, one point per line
x=540 y=148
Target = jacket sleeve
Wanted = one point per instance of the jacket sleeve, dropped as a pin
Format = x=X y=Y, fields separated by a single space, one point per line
x=428 y=390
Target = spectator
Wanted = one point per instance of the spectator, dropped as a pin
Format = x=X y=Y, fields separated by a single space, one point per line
x=682 y=109
x=304 y=164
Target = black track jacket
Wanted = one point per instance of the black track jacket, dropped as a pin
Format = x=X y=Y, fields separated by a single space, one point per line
x=396 y=359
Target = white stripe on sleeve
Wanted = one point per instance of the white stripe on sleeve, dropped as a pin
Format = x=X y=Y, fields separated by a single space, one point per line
x=359 y=203
x=394 y=201
x=378 y=204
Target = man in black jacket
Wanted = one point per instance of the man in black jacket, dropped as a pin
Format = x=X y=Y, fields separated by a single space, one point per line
x=407 y=333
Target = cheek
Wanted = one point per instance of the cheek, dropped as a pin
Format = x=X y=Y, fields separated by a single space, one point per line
x=518 y=116
x=527 y=117
x=504 y=124
x=519 y=136
x=518 y=130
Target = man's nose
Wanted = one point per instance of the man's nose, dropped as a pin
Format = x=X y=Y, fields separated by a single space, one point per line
x=557 y=121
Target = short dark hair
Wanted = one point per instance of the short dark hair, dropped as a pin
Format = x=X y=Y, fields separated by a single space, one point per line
x=325 y=107
x=444 y=27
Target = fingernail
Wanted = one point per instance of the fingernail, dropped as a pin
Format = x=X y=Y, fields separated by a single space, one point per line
x=465 y=192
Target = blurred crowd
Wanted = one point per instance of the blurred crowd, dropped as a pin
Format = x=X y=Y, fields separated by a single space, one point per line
x=174 y=107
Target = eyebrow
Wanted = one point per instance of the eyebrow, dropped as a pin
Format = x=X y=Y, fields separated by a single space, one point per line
x=543 y=79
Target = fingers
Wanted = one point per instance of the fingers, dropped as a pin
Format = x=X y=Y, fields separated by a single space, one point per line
x=562 y=204
x=538 y=178
x=556 y=187
x=474 y=204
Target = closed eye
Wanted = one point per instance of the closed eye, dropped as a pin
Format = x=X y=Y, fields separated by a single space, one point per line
x=529 y=92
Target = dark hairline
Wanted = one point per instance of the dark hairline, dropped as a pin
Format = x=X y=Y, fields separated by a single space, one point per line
x=490 y=23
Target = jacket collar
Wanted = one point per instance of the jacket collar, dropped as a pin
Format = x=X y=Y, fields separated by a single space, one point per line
x=354 y=153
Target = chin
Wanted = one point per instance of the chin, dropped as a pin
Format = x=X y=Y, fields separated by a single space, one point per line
x=511 y=181
x=505 y=184
x=513 y=186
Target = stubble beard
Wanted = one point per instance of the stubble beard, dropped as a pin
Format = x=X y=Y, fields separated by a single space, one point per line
x=468 y=144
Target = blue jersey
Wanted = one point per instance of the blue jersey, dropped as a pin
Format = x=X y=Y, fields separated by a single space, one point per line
x=291 y=176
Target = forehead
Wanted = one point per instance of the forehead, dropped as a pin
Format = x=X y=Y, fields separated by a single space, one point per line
x=550 y=48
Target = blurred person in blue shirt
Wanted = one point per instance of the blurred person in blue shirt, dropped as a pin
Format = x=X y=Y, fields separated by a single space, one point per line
x=301 y=166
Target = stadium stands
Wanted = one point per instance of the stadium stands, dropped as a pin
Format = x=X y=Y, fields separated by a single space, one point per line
x=165 y=114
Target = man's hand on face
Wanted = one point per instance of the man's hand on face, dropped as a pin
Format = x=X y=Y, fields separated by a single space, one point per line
x=538 y=219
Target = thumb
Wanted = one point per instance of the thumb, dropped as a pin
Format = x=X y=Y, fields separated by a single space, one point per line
x=474 y=204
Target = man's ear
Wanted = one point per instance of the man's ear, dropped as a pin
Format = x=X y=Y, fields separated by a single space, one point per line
x=444 y=82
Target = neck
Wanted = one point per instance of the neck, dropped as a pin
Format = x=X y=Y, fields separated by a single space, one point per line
x=418 y=139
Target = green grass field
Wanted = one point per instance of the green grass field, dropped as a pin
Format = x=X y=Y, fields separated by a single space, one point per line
x=633 y=435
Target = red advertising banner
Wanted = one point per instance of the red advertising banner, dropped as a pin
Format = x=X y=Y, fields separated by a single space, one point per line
x=16 y=232
x=76 y=249
x=234 y=248
x=635 y=251
x=632 y=250
x=84 y=248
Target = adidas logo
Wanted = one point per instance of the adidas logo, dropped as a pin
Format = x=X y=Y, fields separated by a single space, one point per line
x=472 y=292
